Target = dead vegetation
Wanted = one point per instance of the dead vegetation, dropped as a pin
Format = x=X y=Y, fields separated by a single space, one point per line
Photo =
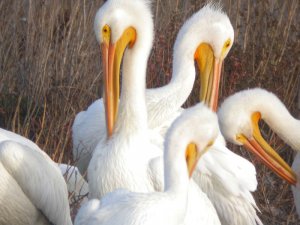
x=50 y=70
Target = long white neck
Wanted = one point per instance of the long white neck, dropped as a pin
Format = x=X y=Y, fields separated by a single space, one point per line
x=175 y=167
x=132 y=111
x=169 y=98
x=176 y=180
x=275 y=114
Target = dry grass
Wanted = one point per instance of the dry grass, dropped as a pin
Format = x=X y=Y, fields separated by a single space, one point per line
x=50 y=70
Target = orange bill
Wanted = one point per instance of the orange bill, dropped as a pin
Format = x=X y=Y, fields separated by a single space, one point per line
x=108 y=52
x=210 y=74
x=112 y=55
x=266 y=153
x=192 y=156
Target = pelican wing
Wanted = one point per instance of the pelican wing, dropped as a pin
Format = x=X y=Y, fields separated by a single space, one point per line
x=39 y=178
x=228 y=180
x=87 y=130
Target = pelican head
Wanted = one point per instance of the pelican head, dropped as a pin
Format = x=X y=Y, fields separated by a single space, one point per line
x=239 y=116
x=120 y=25
x=197 y=128
x=210 y=37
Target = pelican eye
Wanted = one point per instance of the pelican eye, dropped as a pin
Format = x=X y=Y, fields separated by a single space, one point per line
x=210 y=143
x=105 y=29
x=241 y=138
x=227 y=44
x=225 y=48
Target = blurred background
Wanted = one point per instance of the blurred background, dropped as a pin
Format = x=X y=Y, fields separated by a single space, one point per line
x=50 y=70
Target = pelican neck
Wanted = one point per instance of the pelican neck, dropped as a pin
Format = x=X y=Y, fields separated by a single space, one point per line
x=282 y=122
x=173 y=95
x=132 y=100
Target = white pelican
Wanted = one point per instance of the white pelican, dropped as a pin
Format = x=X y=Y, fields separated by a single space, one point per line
x=124 y=159
x=114 y=163
x=188 y=138
x=32 y=189
x=239 y=116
